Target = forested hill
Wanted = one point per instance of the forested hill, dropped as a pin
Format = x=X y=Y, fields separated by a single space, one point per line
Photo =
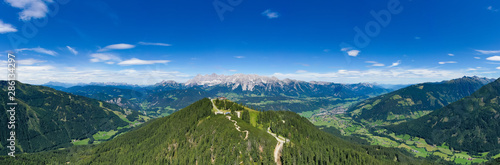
x=415 y=101
x=196 y=135
x=470 y=124
x=49 y=119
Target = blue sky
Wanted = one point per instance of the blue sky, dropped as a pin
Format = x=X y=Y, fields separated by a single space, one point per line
x=144 y=42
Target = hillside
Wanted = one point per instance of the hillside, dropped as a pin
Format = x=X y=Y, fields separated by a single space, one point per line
x=48 y=119
x=195 y=135
x=470 y=124
x=414 y=101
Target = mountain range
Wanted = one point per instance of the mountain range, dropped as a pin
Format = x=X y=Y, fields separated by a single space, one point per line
x=415 y=101
x=261 y=92
x=470 y=124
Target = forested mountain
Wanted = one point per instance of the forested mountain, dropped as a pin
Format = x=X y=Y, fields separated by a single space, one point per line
x=195 y=135
x=260 y=92
x=415 y=101
x=470 y=124
x=49 y=119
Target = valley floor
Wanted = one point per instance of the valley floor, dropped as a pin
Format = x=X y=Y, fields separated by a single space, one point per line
x=416 y=145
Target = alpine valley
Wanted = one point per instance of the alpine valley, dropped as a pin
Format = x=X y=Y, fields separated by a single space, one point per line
x=251 y=119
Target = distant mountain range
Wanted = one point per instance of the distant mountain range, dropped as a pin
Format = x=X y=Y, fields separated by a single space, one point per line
x=415 y=101
x=471 y=124
x=260 y=92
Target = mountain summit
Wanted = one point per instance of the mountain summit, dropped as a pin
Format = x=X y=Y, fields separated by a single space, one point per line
x=247 y=82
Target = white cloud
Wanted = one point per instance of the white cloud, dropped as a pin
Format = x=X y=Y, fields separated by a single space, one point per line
x=104 y=57
x=45 y=73
x=387 y=76
x=154 y=44
x=394 y=64
x=353 y=53
x=447 y=62
x=117 y=46
x=29 y=61
x=30 y=8
x=350 y=51
x=493 y=58
x=374 y=63
x=6 y=28
x=270 y=14
x=38 y=50
x=233 y=70
x=72 y=50
x=477 y=58
x=449 y=54
x=473 y=69
x=498 y=67
x=135 y=61
x=488 y=51
x=239 y=56
x=301 y=71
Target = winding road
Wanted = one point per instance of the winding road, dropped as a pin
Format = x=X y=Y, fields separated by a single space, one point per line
x=279 y=145
x=238 y=127
x=234 y=121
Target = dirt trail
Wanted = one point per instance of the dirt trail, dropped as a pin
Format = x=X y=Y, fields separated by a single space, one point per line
x=279 y=146
x=238 y=127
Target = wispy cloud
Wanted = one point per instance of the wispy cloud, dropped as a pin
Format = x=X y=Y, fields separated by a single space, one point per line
x=477 y=58
x=72 y=50
x=473 y=69
x=493 y=58
x=116 y=47
x=45 y=73
x=301 y=71
x=394 y=64
x=374 y=63
x=104 y=57
x=38 y=50
x=490 y=8
x=29 y=61
x=447 y=62
x=135 y=61
x=239 y=56
x=270 y=14
x=488 y=51
x=449 y=54
x=233 y=70
x=391 y=76
x=30 y=8
x=154 y=44
x=6 y=28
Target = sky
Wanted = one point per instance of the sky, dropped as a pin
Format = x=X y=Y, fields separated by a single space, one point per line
x=147 y=41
